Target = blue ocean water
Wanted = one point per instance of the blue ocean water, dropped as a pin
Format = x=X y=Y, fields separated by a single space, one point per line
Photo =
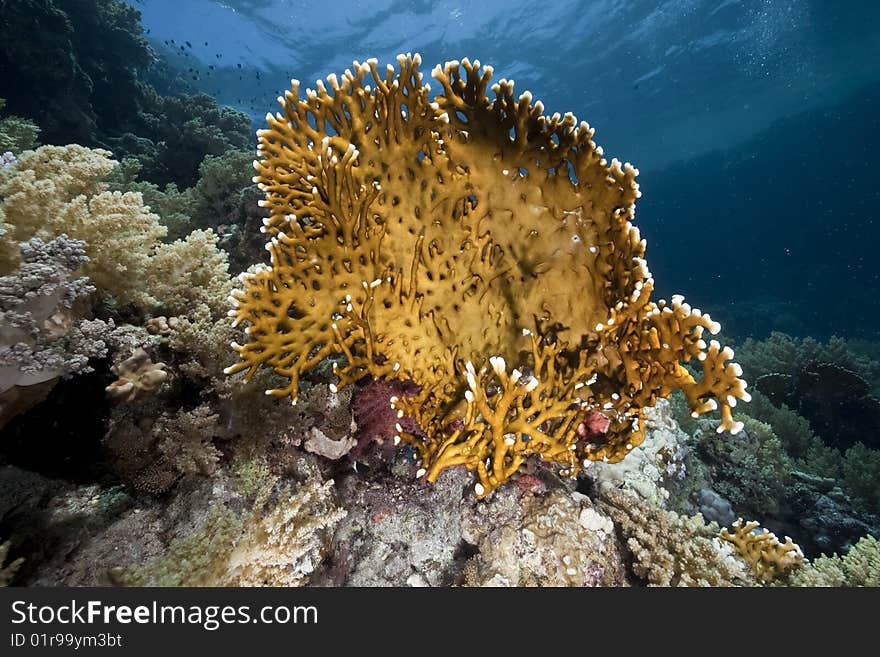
x=753 y=123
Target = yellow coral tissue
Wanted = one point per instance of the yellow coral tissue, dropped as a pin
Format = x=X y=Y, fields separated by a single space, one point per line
x=480 y=249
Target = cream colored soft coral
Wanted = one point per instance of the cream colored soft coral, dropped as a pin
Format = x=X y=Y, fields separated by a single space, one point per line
x=61 y=189
x=188 y=273
x=58 y=190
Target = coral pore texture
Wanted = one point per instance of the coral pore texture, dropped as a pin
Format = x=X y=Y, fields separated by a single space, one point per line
x=479 y=249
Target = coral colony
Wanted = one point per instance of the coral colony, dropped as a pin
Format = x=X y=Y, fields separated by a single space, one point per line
x=479 y=249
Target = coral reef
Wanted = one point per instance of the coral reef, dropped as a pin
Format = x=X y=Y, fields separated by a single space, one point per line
x=794 y=432
x=786 y=354
x=558 y=539
x=179 y=131
x=320 y=443
x=137 y=375
x=376 y=420
x=16 y=134
x=70 y=65
x=273 y=544
x=479 y=249
x=222 y=189
x=62 y=189
x=714 y=508
x=672 y=550
x=822 y=516
x=761 y=548
x=173 y=205
x=752 y=471
x=99 y=97
x=651 y=466
x=860 y=474
x=188 y=273
x=56 y=190
x=860 y=566
x=535 y=533
x=8 y=570
x=836 y=401
x=452 y=278
x=44 y=333
x=152 y=451
x=39 y=188
x=779 y=469
x=831 y=386
x=51 y=518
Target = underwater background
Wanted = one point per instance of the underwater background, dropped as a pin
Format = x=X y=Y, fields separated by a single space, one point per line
x=754 y=126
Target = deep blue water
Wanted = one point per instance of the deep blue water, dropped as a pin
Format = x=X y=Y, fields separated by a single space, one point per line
x=754 y=123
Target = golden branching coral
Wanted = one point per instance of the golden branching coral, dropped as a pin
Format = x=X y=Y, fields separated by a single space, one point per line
x=478 y=248
x=761 y=548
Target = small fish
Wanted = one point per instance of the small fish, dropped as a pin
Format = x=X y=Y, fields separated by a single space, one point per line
x=189 y=45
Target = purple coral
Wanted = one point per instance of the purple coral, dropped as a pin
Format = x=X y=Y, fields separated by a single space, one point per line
x=41 y=335
x=376 y=420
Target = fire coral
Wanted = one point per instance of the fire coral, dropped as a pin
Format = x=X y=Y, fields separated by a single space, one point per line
x=483 y=251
